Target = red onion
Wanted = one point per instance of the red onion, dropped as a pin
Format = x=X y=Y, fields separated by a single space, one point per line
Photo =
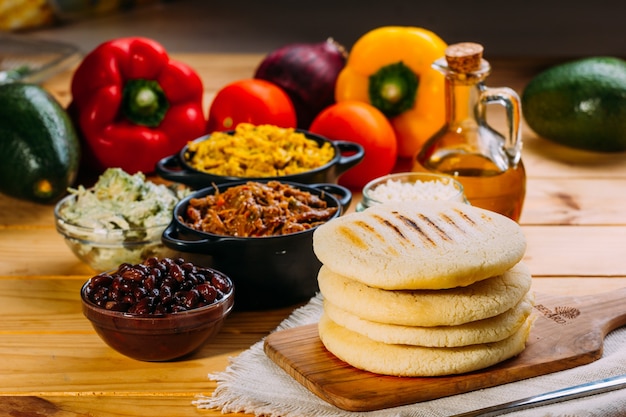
x=307 y=72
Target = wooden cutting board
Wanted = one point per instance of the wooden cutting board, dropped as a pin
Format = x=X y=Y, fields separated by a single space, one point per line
x=568 y=332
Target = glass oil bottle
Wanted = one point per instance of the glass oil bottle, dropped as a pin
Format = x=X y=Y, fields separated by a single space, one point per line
x=486 y=162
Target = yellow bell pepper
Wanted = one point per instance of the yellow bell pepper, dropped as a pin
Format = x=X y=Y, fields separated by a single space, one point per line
x=390 y=68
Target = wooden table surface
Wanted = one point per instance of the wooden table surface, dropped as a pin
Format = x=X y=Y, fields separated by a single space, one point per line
x=53 y=363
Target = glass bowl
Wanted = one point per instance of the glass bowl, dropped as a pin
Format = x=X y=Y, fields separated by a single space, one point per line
x=159 y=337
x=411 y=186
x=103 y=249
x=33 y=61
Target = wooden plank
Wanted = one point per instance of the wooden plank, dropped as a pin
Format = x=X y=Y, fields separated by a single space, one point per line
x=49 y=346
x=78 y=372
x=557 y=194
x=580 y=201
x=37 y=251
x=104 y=405
x=573 y=197
x=51 y=304
x=40 y=306
x=543 y=158
x=70 y=358
x=576 y=251
x=16 y=213
x=552 y=250
x=77 y=363
x=577 y=286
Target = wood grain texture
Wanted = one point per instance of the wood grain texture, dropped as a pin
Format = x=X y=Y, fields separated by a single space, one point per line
x=97 y=404
x=568 y=332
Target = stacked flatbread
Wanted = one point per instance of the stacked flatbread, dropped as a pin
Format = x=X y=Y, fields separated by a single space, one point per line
x=428 y=289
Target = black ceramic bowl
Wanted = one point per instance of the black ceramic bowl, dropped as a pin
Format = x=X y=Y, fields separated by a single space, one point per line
x=268 y=272
x=347 y=154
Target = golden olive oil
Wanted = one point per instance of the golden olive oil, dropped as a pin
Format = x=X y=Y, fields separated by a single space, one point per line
x=484 y=184
x=487 y=163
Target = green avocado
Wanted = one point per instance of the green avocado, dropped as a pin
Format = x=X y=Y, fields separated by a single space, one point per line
x=39 y=146
x=580 y=104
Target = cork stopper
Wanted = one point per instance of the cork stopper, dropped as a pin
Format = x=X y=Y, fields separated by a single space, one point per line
x=464 y=57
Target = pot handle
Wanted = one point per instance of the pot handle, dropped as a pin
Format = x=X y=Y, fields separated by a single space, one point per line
x=171 y=240
x=354 y=154
x=343 y=194
x=170 y=168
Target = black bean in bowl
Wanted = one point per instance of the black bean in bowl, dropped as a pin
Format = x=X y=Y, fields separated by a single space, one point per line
x=157 y=310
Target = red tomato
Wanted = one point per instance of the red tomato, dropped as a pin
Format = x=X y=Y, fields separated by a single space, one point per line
x=360 y=122
x=250 y=101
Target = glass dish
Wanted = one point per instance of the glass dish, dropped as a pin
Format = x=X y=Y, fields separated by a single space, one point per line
x=399 y=188
x=31 y=60
x=104 y=249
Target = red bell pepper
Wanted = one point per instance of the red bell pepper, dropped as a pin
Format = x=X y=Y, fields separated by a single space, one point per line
x=133 y=105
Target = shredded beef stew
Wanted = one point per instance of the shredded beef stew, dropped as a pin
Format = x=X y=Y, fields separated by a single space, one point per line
x=257 y=209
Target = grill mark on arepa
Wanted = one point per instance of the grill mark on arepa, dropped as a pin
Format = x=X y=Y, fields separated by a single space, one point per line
x=486 y=218
x=351 y=237
x=434 y=226
x=465 y=217
x=413 y=225
x=390 y=225
x=410 y=223
x=451 y=222
x=370 y=229
x=382 y=244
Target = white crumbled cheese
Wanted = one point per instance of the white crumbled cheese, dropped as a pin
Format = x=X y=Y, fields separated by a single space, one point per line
x=413 y=191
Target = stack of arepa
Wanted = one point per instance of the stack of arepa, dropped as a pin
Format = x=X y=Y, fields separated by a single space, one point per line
x=423 y=289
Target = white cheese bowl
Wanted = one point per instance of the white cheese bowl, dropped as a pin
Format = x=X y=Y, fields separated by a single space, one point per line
x=411 y=186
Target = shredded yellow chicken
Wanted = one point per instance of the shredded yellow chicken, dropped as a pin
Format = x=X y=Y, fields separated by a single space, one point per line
x=258 y=152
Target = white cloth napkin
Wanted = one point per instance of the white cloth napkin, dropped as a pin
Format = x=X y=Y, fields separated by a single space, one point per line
x=254 y=384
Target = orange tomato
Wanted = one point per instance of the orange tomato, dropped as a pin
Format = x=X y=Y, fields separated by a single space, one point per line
x=360 y=122
x=250 y=101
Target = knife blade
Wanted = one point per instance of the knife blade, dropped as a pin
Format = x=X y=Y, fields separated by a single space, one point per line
x=565 y=394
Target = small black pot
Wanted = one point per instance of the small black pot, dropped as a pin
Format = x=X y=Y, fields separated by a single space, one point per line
x=347 y=154
x=268 y=272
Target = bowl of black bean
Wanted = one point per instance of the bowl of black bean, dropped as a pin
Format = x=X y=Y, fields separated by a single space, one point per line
x=157 y=310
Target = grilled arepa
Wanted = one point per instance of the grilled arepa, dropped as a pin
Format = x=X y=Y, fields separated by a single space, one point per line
x=449 y=307
x=492 y=329
x=412 y=361
x=431 y=245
